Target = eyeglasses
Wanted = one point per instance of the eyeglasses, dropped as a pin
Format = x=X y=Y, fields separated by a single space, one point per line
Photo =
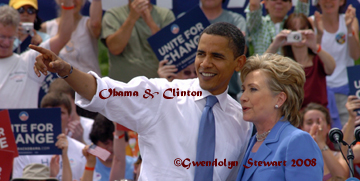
x=30 y=10
x=188 y=72
x=3 y=38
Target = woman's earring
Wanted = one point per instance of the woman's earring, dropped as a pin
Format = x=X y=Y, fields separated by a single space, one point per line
x=276 y=106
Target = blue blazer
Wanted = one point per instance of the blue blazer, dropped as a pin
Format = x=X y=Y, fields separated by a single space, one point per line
x=303 y=157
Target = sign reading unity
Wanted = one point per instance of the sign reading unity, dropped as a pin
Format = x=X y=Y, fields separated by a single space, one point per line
x=354 y=82
x=7 y=140
x=177 y=42
x=35 y=130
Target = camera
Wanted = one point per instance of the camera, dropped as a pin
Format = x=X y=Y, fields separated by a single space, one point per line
x=294 y=37
x=28 y=28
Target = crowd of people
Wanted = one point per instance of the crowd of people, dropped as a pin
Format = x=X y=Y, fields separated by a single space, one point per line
x=276 y=105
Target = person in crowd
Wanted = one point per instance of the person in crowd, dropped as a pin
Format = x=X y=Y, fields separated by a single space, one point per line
x=19 y=85
x=338 y=34
x=81 y=50
x=37 y=171
x=316 y=62
x=353 y=107
x=104 y=135
x=220 y=52
x=79 y=127
x=125 y=31
x=120 y=161
x=28 y=10
x=88 y=174
x=60 y=100
x=316 y=120
x=262 y=29
x=271 y=99
x=169 y=71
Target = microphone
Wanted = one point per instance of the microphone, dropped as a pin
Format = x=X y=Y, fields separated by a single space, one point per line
x=336 y=136
x=357 y=133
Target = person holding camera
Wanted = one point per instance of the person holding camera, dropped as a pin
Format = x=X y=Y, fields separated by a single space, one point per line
x=338 y=33
x=298 y=41
x=316 y=120
x=29 y=26
x=262 y=29
x=28 y=32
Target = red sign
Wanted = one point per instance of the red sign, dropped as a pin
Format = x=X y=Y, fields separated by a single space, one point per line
x=7 y=139
x=6 y=158
x=120 y=127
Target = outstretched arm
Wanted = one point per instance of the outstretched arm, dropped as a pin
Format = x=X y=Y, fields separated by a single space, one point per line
x=94 y=23
x=63 y=144
x=352 y=25
x=83 y=83
x=119 y=160
x=65 y=28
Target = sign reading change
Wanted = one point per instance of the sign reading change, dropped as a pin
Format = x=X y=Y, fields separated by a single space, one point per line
x=177 y=42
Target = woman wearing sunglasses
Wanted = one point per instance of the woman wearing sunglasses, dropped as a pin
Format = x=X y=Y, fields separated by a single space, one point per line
x=29 y=26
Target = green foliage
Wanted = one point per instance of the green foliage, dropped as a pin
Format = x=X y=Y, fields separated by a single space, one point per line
x=103 y=59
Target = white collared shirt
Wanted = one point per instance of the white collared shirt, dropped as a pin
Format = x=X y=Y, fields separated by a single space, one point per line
x=168 y=128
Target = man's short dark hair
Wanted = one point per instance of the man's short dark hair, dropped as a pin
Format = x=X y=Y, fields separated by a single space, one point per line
x=60 y=85
x=102 y=130
x=231 y=32
x=56 y=99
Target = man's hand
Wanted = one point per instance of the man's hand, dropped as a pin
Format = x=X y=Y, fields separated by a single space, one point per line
x=62 y=143
x=254 y=4
x=54 y=165
x=137 y=7
x=36 y=39
x=309 y=39
x=90 y=159
x=49 y=61
x=76 y=130
x=352 y=103
x=166 y=71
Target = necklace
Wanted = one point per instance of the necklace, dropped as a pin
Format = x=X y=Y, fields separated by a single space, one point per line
x=262 y=136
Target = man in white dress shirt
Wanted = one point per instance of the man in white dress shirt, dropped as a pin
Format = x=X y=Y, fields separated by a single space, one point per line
x=168 y=128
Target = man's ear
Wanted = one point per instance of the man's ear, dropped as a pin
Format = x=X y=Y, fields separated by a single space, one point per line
x=281 y=98
x=240 y=62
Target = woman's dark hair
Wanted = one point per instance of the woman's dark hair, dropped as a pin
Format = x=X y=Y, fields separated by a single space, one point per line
x=38 y=21
x=286 y=50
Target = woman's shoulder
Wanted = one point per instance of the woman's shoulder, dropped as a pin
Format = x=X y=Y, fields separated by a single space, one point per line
x=294 y=133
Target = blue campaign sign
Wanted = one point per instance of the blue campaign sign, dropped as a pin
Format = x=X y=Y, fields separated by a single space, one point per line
x=35 y=130
x=354 y=82
x=177 y=42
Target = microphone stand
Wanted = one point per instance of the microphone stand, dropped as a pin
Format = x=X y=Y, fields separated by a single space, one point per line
x=350 y=157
